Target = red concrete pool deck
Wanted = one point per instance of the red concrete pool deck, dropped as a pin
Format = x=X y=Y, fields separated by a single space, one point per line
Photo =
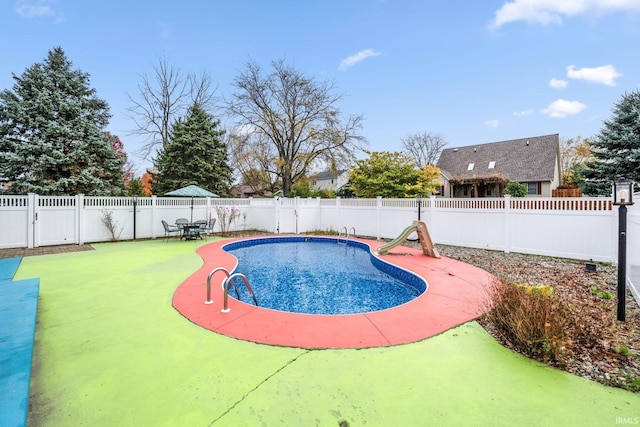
x=457 y=293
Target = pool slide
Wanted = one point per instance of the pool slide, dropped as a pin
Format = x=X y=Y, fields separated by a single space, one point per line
x=418 y=227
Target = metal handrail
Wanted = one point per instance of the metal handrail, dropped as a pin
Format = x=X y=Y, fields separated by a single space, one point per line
x=225 y=289
x=346 y=232
x=214 y=271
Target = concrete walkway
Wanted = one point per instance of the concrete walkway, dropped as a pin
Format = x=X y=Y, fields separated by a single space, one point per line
x=111 y=350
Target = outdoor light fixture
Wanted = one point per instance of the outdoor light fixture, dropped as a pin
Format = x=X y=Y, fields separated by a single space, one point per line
x=135 y=204
x=622 y=197
x=623 y=192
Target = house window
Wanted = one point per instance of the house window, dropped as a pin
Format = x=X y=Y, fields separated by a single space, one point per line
x=492 y=165
x=534 y=188
x=470 y=168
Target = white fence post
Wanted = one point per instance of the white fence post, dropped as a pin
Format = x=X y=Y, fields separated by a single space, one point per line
x=378 y=216
x=432 y=208
x=32 y=217
x=154 y=215
x=80 y=219
x=276 y=203
x=507 y=223
x=296 y=211
x=338 y=213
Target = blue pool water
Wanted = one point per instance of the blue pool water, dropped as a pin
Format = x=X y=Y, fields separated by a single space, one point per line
x=320 y=276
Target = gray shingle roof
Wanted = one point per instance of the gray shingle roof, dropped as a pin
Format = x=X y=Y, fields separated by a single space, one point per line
x=326 y=175
x=523 y=160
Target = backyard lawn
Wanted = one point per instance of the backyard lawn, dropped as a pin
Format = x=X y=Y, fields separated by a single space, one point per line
x=111 y=350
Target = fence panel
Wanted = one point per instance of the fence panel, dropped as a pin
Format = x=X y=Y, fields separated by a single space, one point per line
x=96 y=213
x=14 y=222
x=480 y=228
x=633 y=247
x=577 y=234
x=56 y=221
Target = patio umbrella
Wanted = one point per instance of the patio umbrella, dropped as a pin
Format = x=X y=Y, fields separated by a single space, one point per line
x=191 y=191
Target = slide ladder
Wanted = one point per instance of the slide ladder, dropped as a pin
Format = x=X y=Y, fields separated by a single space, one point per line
x=418 y=227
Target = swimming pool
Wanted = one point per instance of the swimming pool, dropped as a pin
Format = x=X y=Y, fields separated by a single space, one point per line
x=457 y=293
x=316 y=275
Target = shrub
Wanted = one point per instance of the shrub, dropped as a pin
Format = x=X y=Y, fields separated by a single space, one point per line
x=111 y=225
x=516 y=189
x=530 y=319
x=227 y=216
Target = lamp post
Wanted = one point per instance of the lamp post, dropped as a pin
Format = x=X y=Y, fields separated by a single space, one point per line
x=135 y=204
x=622 y=197
x=419 y=205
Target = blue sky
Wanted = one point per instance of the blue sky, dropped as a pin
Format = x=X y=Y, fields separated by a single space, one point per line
x=471 y=71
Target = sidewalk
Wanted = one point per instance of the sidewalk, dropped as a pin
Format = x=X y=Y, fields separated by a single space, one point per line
x=43 y=250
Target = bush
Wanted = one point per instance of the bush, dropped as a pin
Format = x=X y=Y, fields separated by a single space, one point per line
x=112 y=225
x=516 y=189
x=530 y=320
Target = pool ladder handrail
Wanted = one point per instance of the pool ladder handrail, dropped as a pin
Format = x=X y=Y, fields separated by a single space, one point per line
x=346 y=232
x=225 y=287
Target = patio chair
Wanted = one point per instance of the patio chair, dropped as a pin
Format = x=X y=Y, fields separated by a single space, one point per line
x=180 y=223
x=169 y=229
x=206 y=227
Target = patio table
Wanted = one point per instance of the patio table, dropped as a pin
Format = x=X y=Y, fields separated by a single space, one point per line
x=190 y=231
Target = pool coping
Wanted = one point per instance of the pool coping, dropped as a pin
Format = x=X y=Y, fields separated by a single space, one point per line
x=457 y=293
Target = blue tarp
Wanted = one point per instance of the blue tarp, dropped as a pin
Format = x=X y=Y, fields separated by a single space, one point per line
x=18 y=307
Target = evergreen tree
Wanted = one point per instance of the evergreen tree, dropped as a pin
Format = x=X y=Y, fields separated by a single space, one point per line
x=196 y=155
x=52 y=140
x=616 y=148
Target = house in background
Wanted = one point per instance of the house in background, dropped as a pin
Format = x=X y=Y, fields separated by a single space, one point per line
x=243 y=191
x=484 y=170
x=330 y=180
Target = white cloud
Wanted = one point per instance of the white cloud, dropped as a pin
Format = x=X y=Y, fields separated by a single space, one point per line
x=492 y=124
x=558 y=84
x=547 y=12
x=562 y=108
x=605 y=75
x=523 y=112
x=354 y=59
x=38 y=8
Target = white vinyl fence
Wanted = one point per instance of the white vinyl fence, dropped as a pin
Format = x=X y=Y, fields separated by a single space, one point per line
x=581 y=228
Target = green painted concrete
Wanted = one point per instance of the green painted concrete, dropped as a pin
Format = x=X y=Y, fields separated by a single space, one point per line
x=110 y=350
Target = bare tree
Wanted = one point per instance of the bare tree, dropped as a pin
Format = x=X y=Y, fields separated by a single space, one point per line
x=297 y=116
x=424 y=148
x=254 y=159
x=163 y=99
